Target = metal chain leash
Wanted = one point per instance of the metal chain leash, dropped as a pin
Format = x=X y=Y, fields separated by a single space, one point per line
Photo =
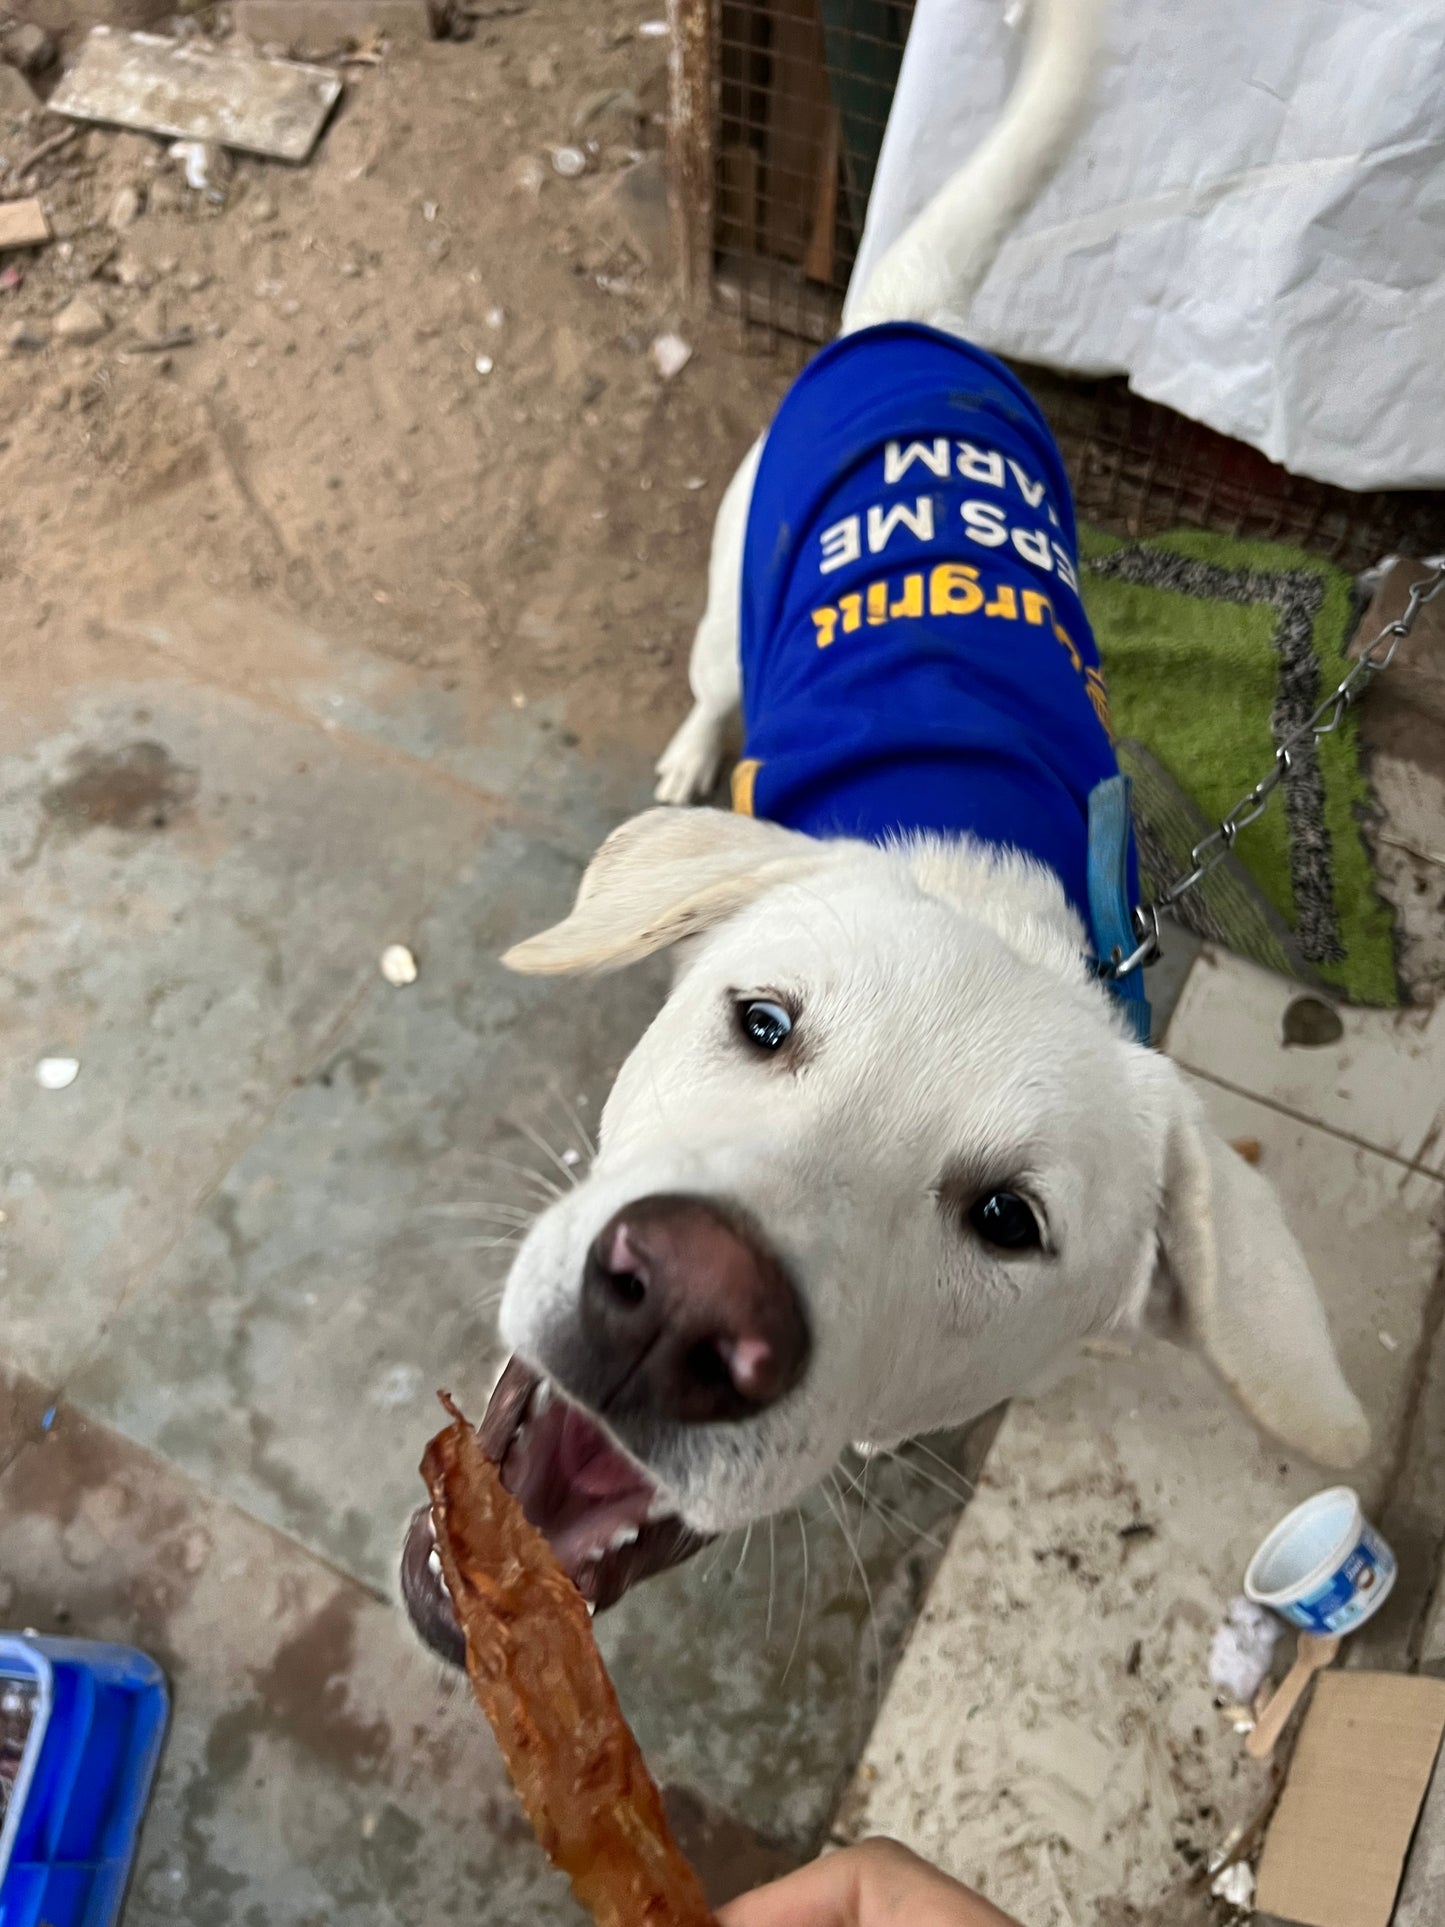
x=1208 y=854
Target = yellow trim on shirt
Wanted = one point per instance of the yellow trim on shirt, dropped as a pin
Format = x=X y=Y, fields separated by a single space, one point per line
x=744 y=777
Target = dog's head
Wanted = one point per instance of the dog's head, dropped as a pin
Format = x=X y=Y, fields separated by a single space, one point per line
x=885 y=1153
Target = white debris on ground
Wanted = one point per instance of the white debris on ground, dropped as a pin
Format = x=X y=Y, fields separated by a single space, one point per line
x=1235 y=1885
x=670 y=355
x=81 y=321
x=57 y=1073
x=1242 y=1648
x=398 y=965
x=207 y=167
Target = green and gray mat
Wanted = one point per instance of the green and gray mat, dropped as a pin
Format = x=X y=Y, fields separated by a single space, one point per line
x=1213 y=649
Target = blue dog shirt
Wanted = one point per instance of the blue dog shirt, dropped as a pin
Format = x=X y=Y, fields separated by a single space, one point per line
x=915 y=656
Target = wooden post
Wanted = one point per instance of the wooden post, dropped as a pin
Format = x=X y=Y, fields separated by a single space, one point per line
x=795 y=149
x=819 y=261
x=691 y=132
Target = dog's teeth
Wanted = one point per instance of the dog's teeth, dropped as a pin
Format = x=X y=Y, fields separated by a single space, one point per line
x=624 y=1536
x=591 y=1605
x=866 y=1449
x=434 y=1563
x=541 y=1398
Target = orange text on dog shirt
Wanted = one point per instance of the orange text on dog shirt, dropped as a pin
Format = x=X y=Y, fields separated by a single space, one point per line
x=953 y=589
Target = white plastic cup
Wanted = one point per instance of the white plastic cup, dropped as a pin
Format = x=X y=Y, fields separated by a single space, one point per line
x=1324 y=1567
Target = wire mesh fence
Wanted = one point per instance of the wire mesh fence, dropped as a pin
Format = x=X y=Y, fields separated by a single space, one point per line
x=797 y=95
x=804 y=89
x=1139 y=469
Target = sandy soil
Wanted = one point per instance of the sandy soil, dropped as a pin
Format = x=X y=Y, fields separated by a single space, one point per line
x=325 y=438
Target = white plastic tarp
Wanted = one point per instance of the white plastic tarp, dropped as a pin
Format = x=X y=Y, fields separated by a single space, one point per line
x=1251 y=227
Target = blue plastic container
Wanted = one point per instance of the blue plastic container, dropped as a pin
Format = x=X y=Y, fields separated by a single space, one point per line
x=96 y=1727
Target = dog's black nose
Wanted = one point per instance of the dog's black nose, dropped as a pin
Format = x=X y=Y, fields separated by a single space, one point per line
x=687 y=1317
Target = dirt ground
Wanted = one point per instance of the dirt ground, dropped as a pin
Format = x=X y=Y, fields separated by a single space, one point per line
x=320 y=433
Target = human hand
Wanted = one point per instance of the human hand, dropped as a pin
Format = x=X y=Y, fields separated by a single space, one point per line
x=875 y=1884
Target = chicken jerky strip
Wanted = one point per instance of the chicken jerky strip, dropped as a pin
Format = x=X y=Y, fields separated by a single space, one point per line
x=536 y=1670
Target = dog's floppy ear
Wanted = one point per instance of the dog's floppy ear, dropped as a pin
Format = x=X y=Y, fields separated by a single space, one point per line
x=663 y=876
x=1243 y=1291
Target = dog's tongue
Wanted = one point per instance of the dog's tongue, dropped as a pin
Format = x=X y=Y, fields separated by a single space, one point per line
x=590 y=1466
x=588 y=1498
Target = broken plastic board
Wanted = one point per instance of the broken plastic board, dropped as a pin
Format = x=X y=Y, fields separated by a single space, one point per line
x=1337 y=1844
x=272 y=107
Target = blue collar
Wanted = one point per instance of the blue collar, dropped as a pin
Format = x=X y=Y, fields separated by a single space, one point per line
x=1110 y=912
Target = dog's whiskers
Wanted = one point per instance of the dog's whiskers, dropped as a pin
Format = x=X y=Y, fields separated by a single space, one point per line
x=886 y=1512
x=548 y=1186
x=866 y=1503
x=803 y=1602
x=515 y=1217
x=840 y=1513
x=503 y=1241
x=862 y=1484
x=922 y=1445
x=480 y=1207
x=959 y=1495
x=586 y=1144
x=772 y=1580
x=841 y=1523
x=742 y=1556
x=885 y=1520
x=709 y=1565
x=550 y=1152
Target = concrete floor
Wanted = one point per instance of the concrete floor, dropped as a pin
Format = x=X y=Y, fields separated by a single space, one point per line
x=1085 y=1773
x=1051 y=1733
x=234 y=1272
x=234 y=1262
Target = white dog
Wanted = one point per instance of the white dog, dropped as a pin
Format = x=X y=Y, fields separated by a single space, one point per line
x=890 y=1148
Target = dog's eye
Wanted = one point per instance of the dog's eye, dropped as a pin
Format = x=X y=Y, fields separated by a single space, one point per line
x=1003 y=1219
x=764 y=1023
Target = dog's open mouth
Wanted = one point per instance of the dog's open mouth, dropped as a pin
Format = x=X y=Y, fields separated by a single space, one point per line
x=603 y=1517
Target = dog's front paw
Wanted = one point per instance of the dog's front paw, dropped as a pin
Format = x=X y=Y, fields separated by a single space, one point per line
x=687 y=769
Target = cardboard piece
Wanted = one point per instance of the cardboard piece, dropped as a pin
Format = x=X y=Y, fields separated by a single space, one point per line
x=1337 y=1844
x=23 y=225
x=225 y=95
